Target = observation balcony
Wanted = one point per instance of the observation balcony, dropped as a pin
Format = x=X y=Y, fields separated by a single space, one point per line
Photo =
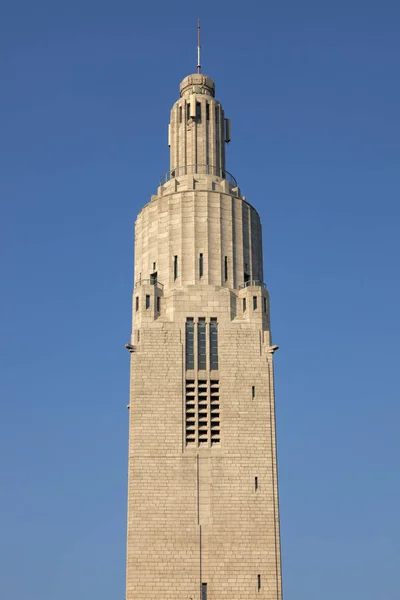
x=198 y=170
x=151 y=281
x=253 y=283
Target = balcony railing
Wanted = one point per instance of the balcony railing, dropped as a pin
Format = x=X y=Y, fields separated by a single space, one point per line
x=198 y=170
x=149 y=282
x=254 y=282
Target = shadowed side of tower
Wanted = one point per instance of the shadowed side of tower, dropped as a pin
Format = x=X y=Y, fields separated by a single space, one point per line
x=203 y=518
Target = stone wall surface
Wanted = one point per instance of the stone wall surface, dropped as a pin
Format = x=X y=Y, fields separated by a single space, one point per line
x=202 y=509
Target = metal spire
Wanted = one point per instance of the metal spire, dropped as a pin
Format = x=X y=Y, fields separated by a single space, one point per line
x=198 y=46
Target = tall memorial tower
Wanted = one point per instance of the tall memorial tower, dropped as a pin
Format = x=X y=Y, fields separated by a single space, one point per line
x=203 y=520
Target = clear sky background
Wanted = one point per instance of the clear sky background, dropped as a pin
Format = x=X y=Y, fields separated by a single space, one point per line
x=312 y=89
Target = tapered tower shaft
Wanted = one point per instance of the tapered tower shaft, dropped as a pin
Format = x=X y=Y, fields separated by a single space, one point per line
x=203 y=516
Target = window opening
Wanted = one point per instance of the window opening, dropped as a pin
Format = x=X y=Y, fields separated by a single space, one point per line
x=202 y=412
x=198 y=112
x=189 y=344
x=201 y=265
x=226 y=268
x=265 y=304
x=254 y=302
x=175 y=267
x=154 y=266
x=259 y=582
x=253 y=391
x=190 y=415
x=188 y=111
x=201 y=344
x=153 y=278
x=215 y=412
x=158 y=303
x=246 y=276
x=255 y=483
x=203 y=591
x=207 y=111
x=137 y=302
x=213 y=344
x=147 y=301
x=180 y=114
x=244 y=304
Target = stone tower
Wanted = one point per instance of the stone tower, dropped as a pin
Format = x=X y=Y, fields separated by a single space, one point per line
x=203 y=520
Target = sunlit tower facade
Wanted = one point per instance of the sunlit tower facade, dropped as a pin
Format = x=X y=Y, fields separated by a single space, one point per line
x=203 y=514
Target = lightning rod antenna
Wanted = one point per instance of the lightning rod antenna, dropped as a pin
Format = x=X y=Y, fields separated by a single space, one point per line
x=198 y=47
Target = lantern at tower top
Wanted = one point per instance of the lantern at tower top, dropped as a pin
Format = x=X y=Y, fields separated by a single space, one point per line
x=197 y=84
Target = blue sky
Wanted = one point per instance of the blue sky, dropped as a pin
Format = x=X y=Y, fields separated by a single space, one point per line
x=313 y=93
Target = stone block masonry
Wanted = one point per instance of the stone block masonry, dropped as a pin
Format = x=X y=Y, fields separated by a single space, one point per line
x=203 y=513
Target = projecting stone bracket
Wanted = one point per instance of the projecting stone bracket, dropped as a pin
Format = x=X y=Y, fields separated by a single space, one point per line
x=130 y=347
x=272 y=349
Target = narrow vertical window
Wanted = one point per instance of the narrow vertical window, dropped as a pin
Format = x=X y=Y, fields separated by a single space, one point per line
x=258 y=582
x=147 y=301
x=153 y=278
x=207 y=111
x=188 y=111
x=226 y=268
x=253 y=391
x=154 y=266
x=265 y=304
x=189 y=344
x=198 y=112
x=203 y=591
x=175 y=267
x=137 y=303
x=180 y=114
x=254 y=302
x=244 y=305
x=201 y=265
x=255 y=483
x=216 y=114
x=158 y=303
x=201 y=344
x=213 y=344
